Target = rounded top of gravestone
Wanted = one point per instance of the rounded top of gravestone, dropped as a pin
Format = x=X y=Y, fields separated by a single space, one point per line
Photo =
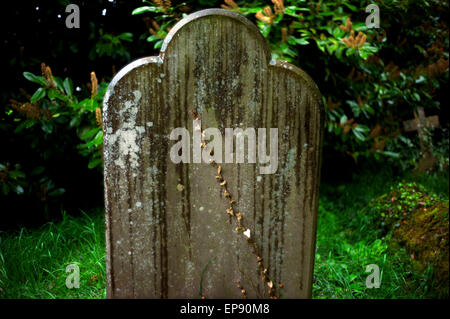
x=216 y=12
x=193 y=35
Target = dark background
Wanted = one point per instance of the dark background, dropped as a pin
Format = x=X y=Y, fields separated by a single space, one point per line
x=29 y=37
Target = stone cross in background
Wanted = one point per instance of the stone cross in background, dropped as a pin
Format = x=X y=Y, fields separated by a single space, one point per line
x=187 y=229
x=422 y=124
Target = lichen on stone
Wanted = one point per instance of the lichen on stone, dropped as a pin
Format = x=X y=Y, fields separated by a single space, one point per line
x=127 y=137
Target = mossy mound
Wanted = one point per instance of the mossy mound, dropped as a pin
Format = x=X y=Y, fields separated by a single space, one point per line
x=419 y=222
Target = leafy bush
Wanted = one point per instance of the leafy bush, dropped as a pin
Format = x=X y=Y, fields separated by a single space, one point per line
x=371 y=79
x=55 y=104
x=395 y=208
x=55 y=119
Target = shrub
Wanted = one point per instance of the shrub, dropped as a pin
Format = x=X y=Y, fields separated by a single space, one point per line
x=371 y=79
x=56 y=121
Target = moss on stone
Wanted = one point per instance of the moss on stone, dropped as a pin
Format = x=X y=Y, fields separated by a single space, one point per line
x=419 y=222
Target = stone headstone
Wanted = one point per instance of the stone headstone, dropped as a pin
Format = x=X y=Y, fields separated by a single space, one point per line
x=422 y=124
x=169 y=232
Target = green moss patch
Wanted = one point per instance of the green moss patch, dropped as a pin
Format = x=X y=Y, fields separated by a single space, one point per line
x=419 y=222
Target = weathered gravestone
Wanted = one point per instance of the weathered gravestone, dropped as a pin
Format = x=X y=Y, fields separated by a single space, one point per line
x=422 y=125
x=190 y=229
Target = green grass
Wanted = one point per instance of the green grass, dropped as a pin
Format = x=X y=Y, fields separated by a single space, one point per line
x=33 y=262
x=348 y=240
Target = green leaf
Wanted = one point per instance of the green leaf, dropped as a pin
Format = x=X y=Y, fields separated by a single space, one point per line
x=25 y=125
x=89 y=133
x=158 y=44
x=302 y=41
x=34 y=78
x=290 y=11
x=152 y=38
x=350 y=6
x=68 y=86
x=57 y=192
x=16 y=174
x=141 y=10
x=39 y=94
x=94 y=162
x=86 y=103
x=75 y=121
x=320 y=45
x=359 y=134
x=349 y=51
x=37 y=170
x=363 y=54
x=55 y=94
x=391 y=154
x=94 y=105
x=251 y=10
x=265 y=29
x=126 y=36
x=58 y=83
x=47 y=127
x=97 y=140
x=338 y=33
